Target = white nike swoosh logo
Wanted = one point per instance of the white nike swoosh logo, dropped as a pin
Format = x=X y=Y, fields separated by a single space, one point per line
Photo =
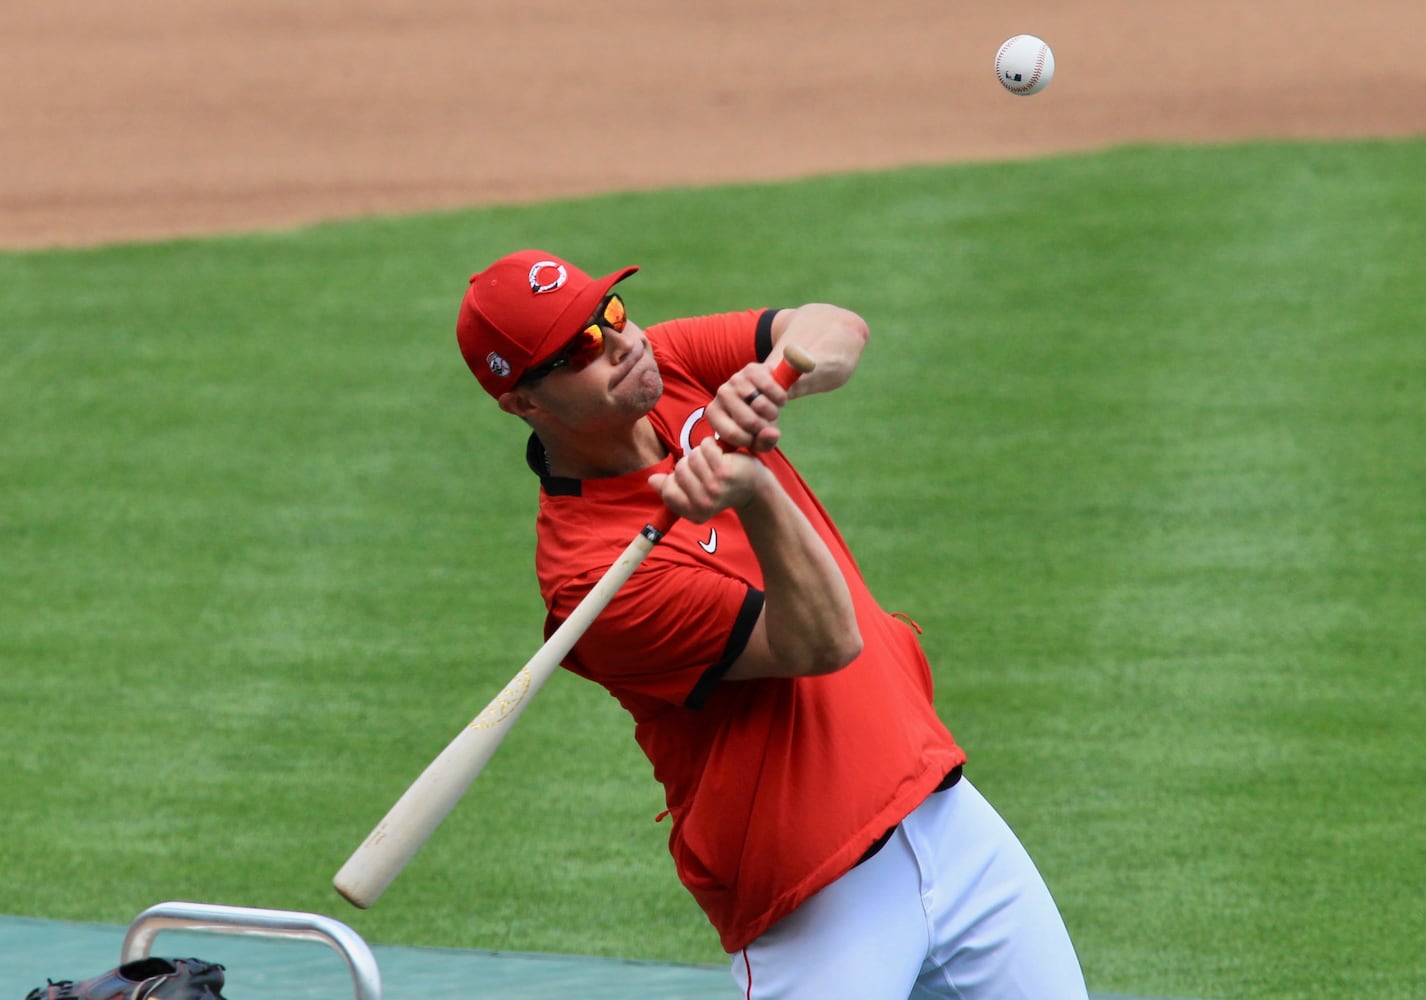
x=711 y=545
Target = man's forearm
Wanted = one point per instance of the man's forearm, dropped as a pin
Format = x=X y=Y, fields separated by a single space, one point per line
x=833 y=337
x=807 y=611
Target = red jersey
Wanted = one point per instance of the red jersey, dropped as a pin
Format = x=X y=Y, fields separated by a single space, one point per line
x=775 y=786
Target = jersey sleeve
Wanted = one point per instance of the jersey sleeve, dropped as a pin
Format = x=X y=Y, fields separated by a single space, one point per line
x=669 y=634
x=718 y=344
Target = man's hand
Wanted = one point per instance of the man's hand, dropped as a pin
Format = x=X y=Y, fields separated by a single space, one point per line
x=708 y=480
x=745 y=409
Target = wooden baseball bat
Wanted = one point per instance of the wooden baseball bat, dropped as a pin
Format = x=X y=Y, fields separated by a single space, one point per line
x=430 y=798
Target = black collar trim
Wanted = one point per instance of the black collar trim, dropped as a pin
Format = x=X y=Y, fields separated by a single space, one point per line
x=539 y=463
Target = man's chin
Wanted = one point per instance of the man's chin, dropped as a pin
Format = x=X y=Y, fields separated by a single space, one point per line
x=649 y=386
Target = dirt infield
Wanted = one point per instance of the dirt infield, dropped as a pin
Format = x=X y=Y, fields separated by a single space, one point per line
x=152 y=118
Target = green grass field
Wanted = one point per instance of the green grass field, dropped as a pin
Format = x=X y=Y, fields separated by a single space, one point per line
x=1137 y=441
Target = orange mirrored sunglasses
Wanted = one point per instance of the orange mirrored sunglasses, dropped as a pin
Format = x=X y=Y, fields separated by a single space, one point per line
x=587 y=344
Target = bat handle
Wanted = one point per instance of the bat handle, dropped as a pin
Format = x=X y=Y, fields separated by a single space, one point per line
x=794 y=364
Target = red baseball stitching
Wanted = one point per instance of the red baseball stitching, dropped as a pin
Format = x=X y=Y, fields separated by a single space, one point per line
x=1034 y=77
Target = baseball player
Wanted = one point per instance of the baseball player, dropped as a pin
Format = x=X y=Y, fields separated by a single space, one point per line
x=818 y=807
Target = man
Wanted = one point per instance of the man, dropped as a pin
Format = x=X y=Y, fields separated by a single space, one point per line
x=819 y=815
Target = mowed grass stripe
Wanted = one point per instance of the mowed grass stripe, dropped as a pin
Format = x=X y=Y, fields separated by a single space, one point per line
x=1135 y=444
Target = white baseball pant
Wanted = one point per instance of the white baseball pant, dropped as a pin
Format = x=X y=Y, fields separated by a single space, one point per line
x=952 y=908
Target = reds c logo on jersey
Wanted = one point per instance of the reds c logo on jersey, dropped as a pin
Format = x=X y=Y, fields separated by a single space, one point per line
x=695 y=429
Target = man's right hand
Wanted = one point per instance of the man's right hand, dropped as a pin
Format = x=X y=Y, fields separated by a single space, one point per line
x=708 y=480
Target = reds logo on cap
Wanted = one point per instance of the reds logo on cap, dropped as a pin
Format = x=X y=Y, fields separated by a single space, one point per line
x=542 y=280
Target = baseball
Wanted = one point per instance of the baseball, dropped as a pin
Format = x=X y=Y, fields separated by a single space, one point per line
x=1024 y=65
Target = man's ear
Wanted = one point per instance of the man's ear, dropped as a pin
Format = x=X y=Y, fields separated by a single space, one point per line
x=517 y=403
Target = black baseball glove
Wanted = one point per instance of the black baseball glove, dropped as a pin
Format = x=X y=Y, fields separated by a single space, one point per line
x=145 y=979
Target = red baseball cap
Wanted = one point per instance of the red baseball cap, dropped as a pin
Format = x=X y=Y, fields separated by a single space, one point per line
x=522 y=309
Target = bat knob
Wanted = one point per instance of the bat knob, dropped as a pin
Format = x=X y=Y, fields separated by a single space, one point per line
x=797 y=358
